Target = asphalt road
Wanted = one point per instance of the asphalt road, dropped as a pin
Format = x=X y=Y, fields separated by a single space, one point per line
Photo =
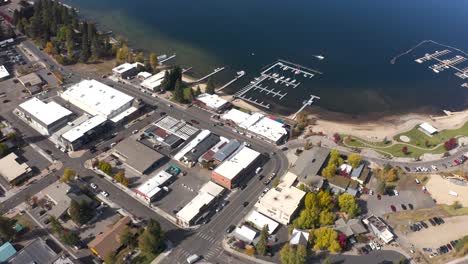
x=205 y=241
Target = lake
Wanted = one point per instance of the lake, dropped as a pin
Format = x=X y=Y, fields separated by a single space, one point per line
x=357 y=38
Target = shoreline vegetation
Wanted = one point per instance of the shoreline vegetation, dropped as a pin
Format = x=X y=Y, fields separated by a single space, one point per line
x=72 y=40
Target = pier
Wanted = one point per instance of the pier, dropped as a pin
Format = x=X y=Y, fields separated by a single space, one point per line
x=239 y=75
x=281 y=75
x=305 y=104
x=209 y=75
x=168 y=58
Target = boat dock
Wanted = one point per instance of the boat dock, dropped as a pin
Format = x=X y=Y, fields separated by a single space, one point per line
x=305 y=104
x=444 y=64
x=436 y=54
x=187 y=69
x=465 y=85
x=239 y=75
x=215 y=71
x=268 y=92
x=255 y=102
x=166 y=59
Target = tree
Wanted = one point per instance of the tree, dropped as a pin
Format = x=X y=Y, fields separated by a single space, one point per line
x=178 y=93
x=81 y=212
x=70 y=238
x=326 y=218
x=348 y=204
x=188 y=95
x=450 y=144
x=197 y=91
x=392 y=175
x=210 y=87
x=263 y=241
x=122 y=54
x=127 y=237
x=110 y=258
x=404 y=149
x=329 y=171
x=3 y=149
x=336 y=138
x=68 y=175
x=307 y=219
x=310 y=200
x=153 y=60
x=456 y=205
x=140 y=57
x=152 y=239
x=325 y=200
x=326 y=238
x=105 y=167
x=7 y=231
x=381 y=187
x=119 y=176
x=276 y=182
x=49 y=49
x=354 y=160
x=301 y=254
x=285 y=253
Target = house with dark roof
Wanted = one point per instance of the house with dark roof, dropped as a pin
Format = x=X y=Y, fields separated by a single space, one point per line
x=360 y=174
x=310 y=163
x=225 y=151
x=38 y=251
x=195 y=153
x=340 y=184
x=351 y=227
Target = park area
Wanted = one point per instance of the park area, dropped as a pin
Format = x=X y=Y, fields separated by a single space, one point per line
x=412 y=143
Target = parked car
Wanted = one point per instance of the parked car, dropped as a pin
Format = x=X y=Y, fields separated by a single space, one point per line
x=411 y=207
x=417 y=181
x=432 y=222
x=424 y=224
x=393 y=208
x=105 y=194
x=135 y=131
x=93 y=186
x=230 y=229
x=379 y=197
x=403 y=206
x=245 y=204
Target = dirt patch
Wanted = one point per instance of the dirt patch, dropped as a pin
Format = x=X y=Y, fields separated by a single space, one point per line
x=94 y=69
x=440 y=187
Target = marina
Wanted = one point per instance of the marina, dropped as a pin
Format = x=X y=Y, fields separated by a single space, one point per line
x=274 y=82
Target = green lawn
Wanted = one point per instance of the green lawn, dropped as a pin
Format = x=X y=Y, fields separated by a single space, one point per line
x=419 y=138
x=359 y=142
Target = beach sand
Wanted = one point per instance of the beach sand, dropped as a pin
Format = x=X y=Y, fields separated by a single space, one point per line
x=377 y=130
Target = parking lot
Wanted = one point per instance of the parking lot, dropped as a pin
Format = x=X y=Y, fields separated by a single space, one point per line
x=417 y=199
x=436 y=236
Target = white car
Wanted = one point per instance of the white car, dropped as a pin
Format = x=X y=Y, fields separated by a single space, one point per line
x=395 y=192
x=258 y=170
x=135 y=131
x=105 y=194
x=434 y=167
x=94 y=186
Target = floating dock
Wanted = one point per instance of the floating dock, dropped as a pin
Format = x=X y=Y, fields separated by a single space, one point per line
x=239 y=75
x=215 y=71
x=305 y=104
x=284 y=73
x=168 y=58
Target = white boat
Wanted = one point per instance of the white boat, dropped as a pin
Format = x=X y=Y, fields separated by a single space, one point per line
x=288 y=79
x=240 y=72
x=305 y=75
x=281 y=78
x=293 y=81
x=297 y=72
x=320 y=57
x=436 y=71
x=287 y=84
x=276 y=81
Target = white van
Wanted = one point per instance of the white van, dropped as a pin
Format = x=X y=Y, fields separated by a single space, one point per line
x=193 y=258
x=258 y=170
x=417 y=181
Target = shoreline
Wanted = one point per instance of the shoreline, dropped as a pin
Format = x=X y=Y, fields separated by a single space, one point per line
x=370 y=126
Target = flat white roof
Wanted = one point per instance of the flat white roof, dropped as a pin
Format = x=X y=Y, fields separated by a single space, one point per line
x=251 y=120
x=78 y=131
x=428 y=128
x=192 y=144
x=269 y=128
x=144 y=75
x=235 y=116
x=284 y=199
x=192 y=209
x=154 y=81
x=96 y=98
x=245 y=233
x=288 y=180
x=10 y=169
x=125 y=67
x=148 y=188
x=176 y=127
x=212 y=100
x=212 y=188
x=3 y=72
x=259 y=220
x=47 y=113
x=236 y=163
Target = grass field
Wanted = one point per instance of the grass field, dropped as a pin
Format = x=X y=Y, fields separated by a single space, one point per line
x=418 y=138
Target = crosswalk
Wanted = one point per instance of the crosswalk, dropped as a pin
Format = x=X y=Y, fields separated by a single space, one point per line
x=180 y=254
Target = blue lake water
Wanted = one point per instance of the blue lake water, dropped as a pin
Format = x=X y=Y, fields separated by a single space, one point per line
x=358 y=39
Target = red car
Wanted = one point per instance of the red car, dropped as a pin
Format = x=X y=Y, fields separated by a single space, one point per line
x=379 y=197
x=393 y=208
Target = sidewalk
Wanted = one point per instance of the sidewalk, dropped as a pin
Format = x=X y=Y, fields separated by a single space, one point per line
x=164 y=254
x=133 y=195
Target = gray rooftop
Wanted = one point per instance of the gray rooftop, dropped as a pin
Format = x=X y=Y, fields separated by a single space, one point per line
x=351 y=227
x=35 y=252
x=137 y=155
x=227 y=150
x=357 y=171
x=202 y=147
x=310 y=162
